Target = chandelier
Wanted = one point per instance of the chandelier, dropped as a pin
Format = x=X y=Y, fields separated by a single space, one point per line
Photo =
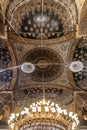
x=43 y=115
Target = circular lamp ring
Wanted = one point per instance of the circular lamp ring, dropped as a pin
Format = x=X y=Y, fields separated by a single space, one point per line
x=76 y=66
x=27 y=67
x=42 y=113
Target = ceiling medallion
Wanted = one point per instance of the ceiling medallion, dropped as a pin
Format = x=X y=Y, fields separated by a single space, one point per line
x=47 y=62
x=43 y=115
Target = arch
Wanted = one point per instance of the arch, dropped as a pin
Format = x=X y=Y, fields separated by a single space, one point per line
x=83 y=20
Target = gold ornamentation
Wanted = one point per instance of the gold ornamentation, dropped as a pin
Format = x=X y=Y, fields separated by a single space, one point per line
x=43 y=111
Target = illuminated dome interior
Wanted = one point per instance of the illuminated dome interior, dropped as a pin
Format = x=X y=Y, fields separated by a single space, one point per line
x=35 y=20
x=80 y=54
x=43 y=55
x=48 y=64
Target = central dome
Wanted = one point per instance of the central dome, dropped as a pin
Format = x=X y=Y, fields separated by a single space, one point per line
x=48 y=64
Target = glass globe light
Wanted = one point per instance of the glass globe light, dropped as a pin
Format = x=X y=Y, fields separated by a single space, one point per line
x=27 y=67
x=76 y=66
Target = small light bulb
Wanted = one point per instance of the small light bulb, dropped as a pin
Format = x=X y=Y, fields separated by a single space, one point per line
x=17 y=114
x=77 y=122
x=33 y=109
x=12 y=125
x=26 y=110
x=65 y=112
x=57 y=105
x=46 y=109
x=12 y=114
x=59 y=110
x=70 y=114
x=30 y=106
x=22 y=113
x=39 y=109
x=8 y=121
x=53 y=109
x=52 y=104
x=48 y=103
x=44 y=101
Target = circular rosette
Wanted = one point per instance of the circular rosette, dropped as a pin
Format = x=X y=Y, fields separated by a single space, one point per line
x=49 y=65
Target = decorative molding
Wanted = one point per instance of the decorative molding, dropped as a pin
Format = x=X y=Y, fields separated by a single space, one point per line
x=45 y=42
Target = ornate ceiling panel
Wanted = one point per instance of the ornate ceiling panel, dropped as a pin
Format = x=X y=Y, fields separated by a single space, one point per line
x=64 y=97
x=35 y=26
x=50 y=62
x=47 y=64
x=32 y=20
x=80 y=54
x=47 y=25
x=6 y=62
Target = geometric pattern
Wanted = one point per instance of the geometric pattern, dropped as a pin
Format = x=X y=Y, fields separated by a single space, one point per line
x=47 y=64
x=35 y=26
x=80 y=77
x=5 y=61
